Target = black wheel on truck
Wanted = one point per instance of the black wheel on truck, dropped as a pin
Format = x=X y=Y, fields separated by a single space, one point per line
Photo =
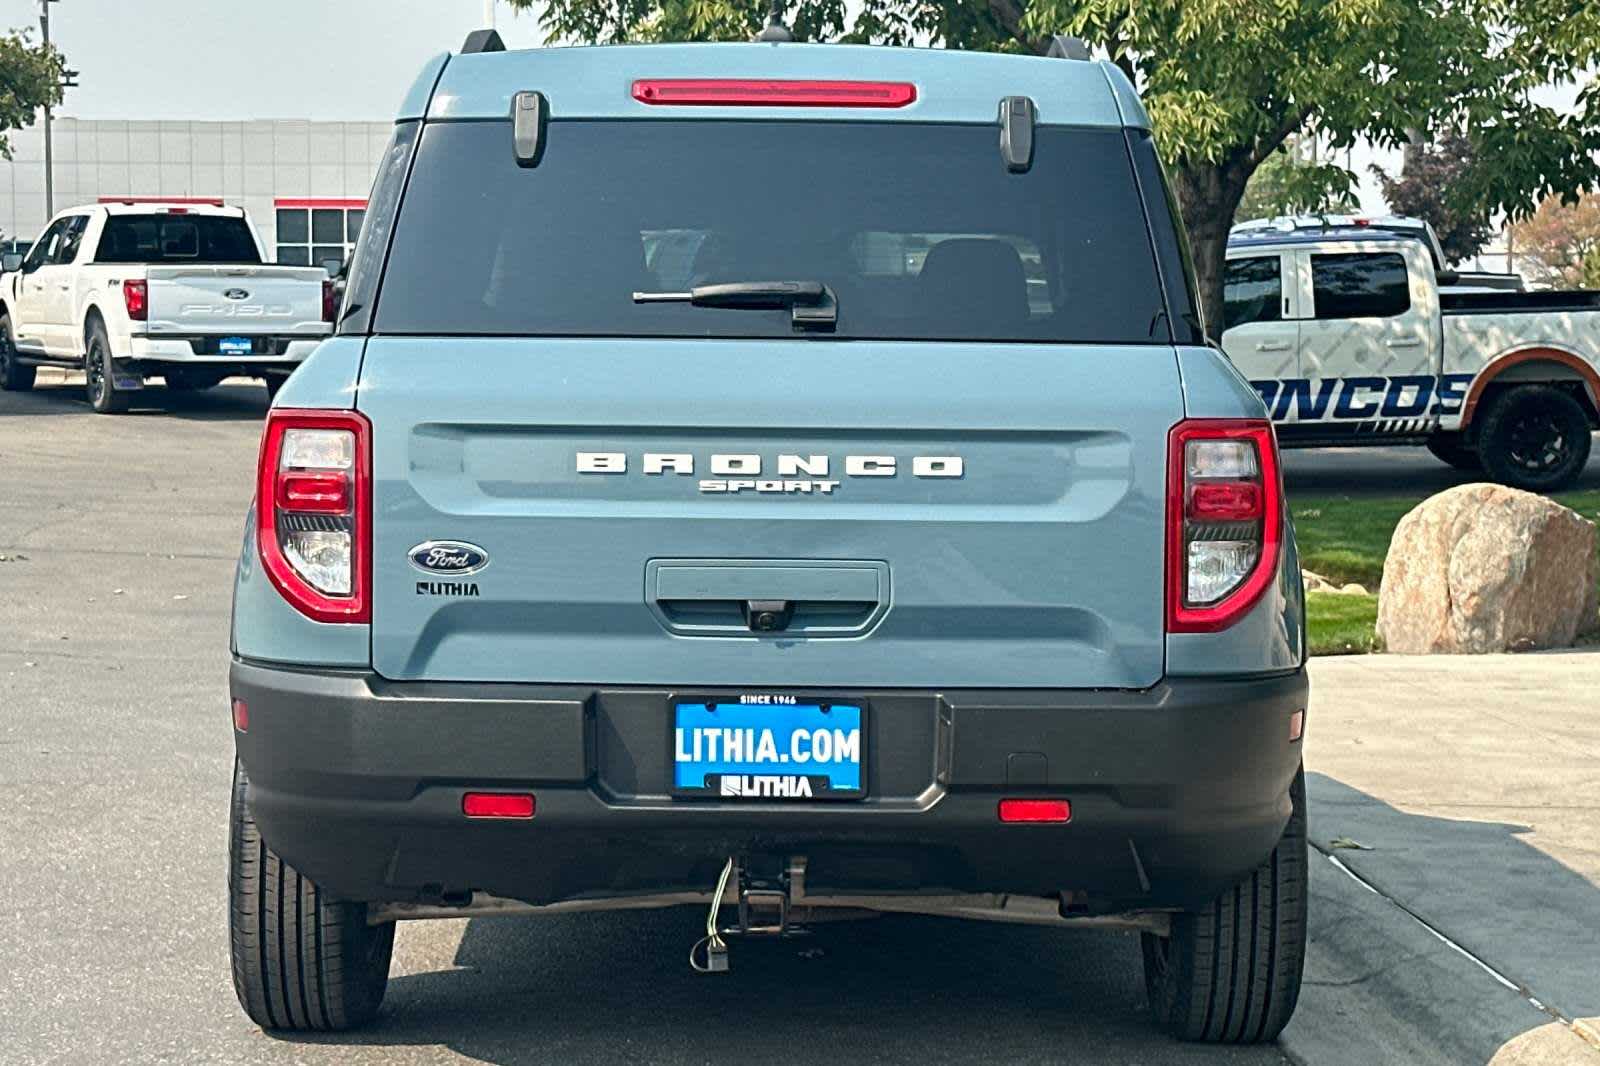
x=1452 y=450
x=1230 y=973
x=98 y=383
x=14 y=376
x=274 y=382
x=1535 y=437
x=301 y=960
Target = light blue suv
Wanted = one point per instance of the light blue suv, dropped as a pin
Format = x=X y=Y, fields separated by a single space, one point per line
x=770 y=477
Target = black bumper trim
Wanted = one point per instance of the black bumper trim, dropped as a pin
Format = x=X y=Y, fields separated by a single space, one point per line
x=357 y=781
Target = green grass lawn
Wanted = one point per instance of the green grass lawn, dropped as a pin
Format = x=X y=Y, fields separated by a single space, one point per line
x=1345 y=538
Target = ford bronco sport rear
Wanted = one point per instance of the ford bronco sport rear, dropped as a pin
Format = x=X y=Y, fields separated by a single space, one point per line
x=737 y=481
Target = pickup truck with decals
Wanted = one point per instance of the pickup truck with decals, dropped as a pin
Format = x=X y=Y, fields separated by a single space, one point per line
x=1343 y=327
x=776 y=479
x=129 y=291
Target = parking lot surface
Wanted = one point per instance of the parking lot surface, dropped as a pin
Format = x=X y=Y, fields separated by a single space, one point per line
x=119 y=537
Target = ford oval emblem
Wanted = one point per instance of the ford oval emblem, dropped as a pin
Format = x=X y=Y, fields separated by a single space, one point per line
x=448 y=557
x=237 y=294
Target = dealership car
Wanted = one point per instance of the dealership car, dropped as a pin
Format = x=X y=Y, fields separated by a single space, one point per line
x=129 y=291
x=772 y=478
x=1355 y=333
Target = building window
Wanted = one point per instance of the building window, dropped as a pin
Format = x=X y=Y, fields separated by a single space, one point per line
x=313 y=231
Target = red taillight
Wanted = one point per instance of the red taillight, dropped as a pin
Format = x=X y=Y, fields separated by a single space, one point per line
x=330 y=307
x=241 y=716
x=324 y=493
x=497 y=805
x=135 y=297
x=1224 y=521
x=1225 y=501
x=766 y=92
x=314 y=511
x=1035 y=810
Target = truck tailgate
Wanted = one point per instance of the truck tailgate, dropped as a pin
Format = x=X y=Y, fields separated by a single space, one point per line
x=236 y=299
x=1025 y=549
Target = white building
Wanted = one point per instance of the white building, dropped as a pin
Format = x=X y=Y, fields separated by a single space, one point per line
x=305 y=183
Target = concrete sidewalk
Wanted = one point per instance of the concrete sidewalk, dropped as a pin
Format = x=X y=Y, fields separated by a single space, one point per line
x=1475 y=783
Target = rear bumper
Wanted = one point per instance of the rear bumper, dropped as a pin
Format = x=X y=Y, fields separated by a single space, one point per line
x=283 y=350
x=1177 y=791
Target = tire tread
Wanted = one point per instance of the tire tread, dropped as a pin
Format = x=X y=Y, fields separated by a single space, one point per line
x=290 y=943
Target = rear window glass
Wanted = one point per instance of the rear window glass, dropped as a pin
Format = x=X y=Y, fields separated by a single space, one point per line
x=176 y=239
x=1360 y=285
x=919 y=230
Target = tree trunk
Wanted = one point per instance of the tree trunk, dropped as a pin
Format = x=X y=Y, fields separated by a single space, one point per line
x=1208 y=195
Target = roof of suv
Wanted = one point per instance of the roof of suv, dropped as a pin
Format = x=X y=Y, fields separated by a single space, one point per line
x=951 y=86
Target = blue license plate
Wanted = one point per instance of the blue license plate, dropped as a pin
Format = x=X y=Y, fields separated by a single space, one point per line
x=234 y=346
x=764 y=746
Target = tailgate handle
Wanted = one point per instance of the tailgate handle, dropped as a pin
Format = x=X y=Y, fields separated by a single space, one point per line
x=744 y=597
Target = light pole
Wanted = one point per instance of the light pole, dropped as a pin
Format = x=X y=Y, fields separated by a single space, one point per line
x=488 y=13
x=68 y=81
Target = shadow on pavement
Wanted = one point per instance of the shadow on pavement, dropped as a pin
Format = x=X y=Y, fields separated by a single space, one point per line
x=1482 y=885
x=229 y=402
x=617 y=987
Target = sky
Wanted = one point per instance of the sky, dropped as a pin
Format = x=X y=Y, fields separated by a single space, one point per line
x=348 y=60
x=343 y=60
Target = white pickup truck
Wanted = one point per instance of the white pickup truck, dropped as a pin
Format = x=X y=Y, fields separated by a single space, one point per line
x=130 y=291
x=1343 y=330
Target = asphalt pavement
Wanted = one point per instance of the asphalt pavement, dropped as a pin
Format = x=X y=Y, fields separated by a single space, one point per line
x=119 y=536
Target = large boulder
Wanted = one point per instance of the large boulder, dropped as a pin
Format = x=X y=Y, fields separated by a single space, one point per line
x=1485 y=568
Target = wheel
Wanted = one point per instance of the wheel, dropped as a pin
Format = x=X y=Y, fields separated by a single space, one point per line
x=104 y=396
x=191 y=380
x=1450 y=449
x=300 y=959
x=1230 y=973
x=14 y=376
x=1535 y=437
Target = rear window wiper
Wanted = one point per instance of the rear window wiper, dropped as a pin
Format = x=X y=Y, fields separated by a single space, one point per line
x=811 y=304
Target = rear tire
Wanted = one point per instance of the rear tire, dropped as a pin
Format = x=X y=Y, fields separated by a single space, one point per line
x=1535 y=437
x=14 y=376
x=1449 y=449
x=301 y=960
x=98 y=383
x=1230 y=973
x=274 y=382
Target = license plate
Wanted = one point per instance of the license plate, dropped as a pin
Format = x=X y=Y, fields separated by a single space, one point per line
x=769 y=747
x=234 y=346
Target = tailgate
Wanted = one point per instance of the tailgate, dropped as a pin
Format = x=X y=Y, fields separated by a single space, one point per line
x=1018 y=541
x=236 y=299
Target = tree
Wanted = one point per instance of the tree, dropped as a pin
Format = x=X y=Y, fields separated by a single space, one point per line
x=1560 y=243
x=1435 y=184
x=30 y=78
x=1286 y=185
x=1227 y=82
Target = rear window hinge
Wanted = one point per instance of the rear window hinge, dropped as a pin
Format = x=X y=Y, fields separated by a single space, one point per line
x=529 y=112
x=1017 y=116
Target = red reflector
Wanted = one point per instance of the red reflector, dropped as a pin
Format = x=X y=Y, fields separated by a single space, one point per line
x=134 y=298
x=497 y=805
x=1297 y=725
x=1035 y=810
x=745 y=92
x=330 y=306
x=318 y=493
x=241 y=716
x=1225 y=501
